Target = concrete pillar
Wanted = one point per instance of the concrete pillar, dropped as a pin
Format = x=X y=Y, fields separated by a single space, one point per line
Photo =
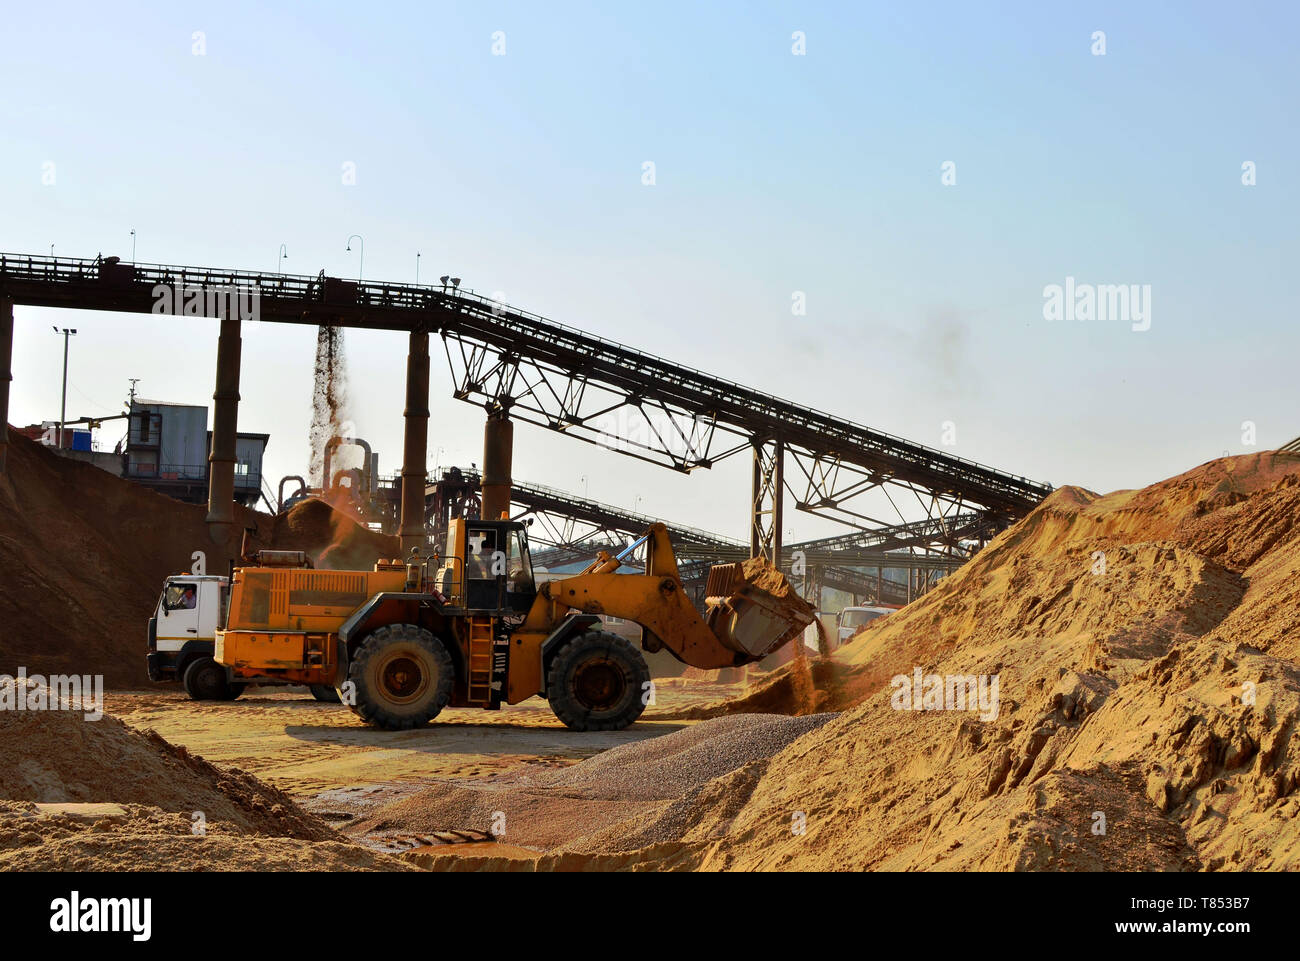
x=498 y=454
x=6 y=358
x=415 y=446
x=225 y=427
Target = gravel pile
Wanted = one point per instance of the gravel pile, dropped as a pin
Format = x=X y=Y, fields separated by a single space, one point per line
x=668 y=767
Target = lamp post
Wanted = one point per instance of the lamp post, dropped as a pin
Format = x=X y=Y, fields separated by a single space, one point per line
x=284 y=253
x=361 y=265
x=132 y=246
x=417 y=268
x=63 y=403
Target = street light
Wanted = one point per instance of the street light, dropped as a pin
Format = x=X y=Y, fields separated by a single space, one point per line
x=417 y=268
x=284 y=253
x=63 y=404
x=362 y=264
x=132 y=248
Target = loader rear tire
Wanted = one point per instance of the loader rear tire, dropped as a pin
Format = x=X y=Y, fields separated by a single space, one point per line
x=205 y=680
x=596 y=682
x=403 y=677
x=325 y=693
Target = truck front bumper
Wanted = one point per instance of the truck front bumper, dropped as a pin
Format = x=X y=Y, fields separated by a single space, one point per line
x=161 y=665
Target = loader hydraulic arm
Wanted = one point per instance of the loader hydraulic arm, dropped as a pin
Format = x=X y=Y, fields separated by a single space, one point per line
x=655 y=599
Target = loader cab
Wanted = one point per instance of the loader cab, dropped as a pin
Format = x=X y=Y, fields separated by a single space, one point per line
x=487 y=567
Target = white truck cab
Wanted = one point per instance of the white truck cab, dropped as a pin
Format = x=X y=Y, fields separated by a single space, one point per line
x=182 y=636
x=852 y=619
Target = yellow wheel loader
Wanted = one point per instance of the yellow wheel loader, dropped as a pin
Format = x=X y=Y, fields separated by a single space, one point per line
x=469 y=627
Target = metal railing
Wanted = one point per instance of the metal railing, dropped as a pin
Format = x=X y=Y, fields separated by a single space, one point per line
x=104 y=284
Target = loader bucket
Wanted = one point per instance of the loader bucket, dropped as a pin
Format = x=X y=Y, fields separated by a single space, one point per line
x=752 y=610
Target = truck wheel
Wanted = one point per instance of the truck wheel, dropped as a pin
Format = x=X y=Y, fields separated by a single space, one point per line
x=595 y=682
x=205 y=680
x=402 y=675
x=325 y=693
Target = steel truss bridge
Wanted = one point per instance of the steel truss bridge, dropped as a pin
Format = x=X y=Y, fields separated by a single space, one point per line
x=521 y=365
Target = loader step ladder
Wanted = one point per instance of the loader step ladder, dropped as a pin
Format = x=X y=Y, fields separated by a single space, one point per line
x=314 y=651
x=480 y=659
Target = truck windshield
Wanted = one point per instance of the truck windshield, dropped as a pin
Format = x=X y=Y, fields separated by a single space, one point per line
x=180 y=597
x=858 y=618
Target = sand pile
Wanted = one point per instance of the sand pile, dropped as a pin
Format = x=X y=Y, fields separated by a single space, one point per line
x=139 y=838
x=615 y=794
x=1147 y=708
x=83 y=555
x=79 y=794
x=61 y=756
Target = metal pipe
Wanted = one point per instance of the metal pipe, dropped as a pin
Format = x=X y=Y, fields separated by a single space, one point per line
x=415 y=445
x=225 y=427
x=6 y=357
x=302 y=489
x=498 y=452
x=334 y=444
x=63 y=401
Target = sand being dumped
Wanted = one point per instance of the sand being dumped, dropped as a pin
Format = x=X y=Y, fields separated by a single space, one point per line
x=83 y=555
x=83 y=794
x=328 y=401
x=334 y=540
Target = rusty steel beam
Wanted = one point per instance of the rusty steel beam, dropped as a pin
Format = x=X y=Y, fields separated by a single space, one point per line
x=767 y=493
x=225 y=430
x=6 y=358
x=415 y=444
x=498 y=453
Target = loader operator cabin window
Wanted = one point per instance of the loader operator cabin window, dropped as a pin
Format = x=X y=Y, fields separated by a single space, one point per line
x=519 y=570
x=480 y=551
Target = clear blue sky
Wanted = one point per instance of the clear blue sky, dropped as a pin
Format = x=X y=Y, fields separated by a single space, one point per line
x=775 y=173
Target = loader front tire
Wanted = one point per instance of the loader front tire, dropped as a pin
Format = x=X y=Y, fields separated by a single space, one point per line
x=597 y=682
x=402 y=676
x=324 y=693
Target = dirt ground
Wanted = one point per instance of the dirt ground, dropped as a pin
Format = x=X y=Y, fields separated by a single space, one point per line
x=342 y=771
